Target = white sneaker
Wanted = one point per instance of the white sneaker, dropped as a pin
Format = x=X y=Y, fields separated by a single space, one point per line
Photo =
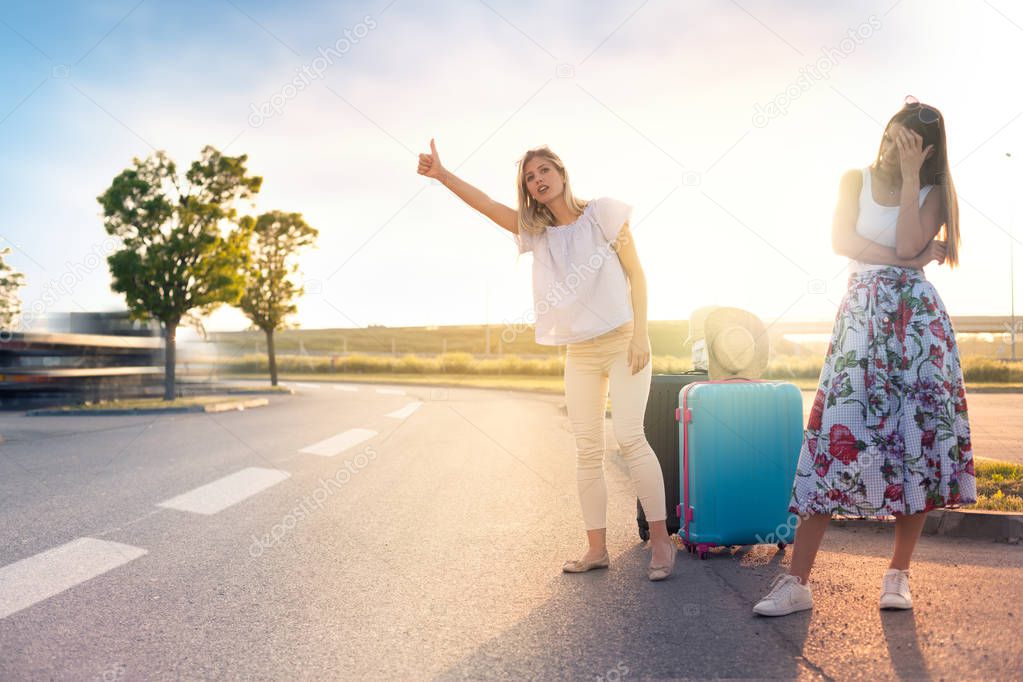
x=895 y=590
x=787 y=595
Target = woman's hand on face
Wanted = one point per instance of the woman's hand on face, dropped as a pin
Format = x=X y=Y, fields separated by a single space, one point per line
x=429 y=164
x=639 y=352
x=912 y=153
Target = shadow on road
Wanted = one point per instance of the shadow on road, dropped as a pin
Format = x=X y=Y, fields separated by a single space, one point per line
x=616 y=624
x=903 y=647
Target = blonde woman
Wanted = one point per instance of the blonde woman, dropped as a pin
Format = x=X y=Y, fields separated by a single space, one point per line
x=589 y=293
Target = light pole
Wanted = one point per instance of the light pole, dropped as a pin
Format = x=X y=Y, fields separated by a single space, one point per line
x=1012 y=268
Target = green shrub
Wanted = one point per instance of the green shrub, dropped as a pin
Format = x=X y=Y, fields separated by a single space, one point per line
x=410 y=363
x=362 y=364
x=979 y=368
x=456 y=363
x=1005 y=478
x=670 y=364
x=999 y=502
x=785 y=367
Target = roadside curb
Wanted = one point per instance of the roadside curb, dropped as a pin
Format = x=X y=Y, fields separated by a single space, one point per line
x=223 y=406
x=190 y=389
x=259 y=391
x=979 y=524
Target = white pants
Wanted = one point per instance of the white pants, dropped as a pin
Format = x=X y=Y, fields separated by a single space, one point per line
x=592 y=366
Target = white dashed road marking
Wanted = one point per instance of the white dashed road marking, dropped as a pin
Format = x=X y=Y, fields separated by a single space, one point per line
x=339 y=443
x=405 y=411
x=224 y=492
x=39 y=577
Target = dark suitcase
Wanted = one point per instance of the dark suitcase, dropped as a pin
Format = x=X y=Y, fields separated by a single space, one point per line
x=661 y=431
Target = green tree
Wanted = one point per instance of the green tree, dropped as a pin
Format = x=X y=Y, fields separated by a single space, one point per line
x=183 y=252
x=269 y=293
x=11 y=282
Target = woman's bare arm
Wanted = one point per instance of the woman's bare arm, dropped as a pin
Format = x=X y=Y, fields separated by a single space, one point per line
x=639 y=349
x=505 y=216
x=846 y=242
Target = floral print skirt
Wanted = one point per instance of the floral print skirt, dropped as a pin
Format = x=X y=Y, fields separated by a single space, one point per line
x=888 y=433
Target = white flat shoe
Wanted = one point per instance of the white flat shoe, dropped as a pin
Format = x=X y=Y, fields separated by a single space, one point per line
x=656 y=573
x=580 y=566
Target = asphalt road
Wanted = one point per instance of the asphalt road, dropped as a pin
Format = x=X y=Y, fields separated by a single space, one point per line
x=427 y=546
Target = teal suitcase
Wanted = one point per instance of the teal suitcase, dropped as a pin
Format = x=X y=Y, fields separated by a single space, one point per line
x=739 y=443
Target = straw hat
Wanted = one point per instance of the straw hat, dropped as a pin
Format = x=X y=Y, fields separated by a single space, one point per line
x=737 y=344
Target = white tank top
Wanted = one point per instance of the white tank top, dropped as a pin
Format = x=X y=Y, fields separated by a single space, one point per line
x=580 y=289
x=876 y=222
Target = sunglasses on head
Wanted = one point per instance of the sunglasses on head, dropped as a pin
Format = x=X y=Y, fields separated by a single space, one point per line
x=926 y=114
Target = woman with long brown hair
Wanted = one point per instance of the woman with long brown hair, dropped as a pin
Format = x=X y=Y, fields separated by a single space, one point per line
x=888 y=434
x=589 y=293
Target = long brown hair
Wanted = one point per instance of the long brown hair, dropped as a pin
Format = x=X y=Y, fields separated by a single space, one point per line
x=929 y=123
x=534 y=216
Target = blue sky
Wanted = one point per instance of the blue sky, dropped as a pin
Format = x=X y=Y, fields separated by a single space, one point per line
x=653 y=104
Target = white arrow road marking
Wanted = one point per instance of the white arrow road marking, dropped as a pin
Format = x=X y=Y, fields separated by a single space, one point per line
x=405 y=411
x=224 y=492
x=39 y=577
x=339 y=443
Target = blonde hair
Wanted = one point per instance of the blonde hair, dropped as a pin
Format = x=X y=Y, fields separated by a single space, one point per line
x=534 y=216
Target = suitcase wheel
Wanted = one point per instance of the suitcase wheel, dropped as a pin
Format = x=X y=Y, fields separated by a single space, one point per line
x=781 y=546
x=644 y=533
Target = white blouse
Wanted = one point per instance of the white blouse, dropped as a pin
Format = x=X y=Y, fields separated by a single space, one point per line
x=580 y=289
x=877 y=222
